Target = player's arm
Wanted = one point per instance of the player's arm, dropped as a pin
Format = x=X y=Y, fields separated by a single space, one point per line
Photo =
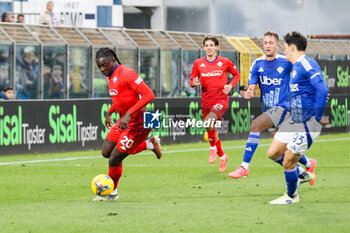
x=236 y=77
x=108 y=119
x=194 y=80
x=147 y=95
x=317 y=81
x=252 y=81
x=250 y=91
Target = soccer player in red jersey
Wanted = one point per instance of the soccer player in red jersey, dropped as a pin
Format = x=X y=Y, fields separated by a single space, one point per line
x=211 y=73
x=130 y=94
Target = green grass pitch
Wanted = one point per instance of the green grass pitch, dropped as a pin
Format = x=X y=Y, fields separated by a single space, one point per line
x=179 y=193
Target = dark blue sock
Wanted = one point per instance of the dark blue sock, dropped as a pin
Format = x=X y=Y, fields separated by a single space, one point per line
x=303 y=160
x=280 y=160
x=252 y=144
x=292 y=181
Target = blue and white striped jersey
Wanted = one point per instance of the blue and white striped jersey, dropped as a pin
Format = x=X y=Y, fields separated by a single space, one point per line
x=273 y=79
x=308 y=90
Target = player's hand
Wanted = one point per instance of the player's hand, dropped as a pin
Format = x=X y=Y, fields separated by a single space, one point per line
x=196 y=81
x=108 y=120
x=324 y=121
x=248 y=94
x=123 y=124
x=227 y=89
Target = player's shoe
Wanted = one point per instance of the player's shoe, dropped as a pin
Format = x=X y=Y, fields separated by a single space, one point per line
x=223 y=162
x=308 y=178
x=239 y=172
x=311 y=169
x=155 y=140
x=111 y=197
x=285 y=200
x=212 y=155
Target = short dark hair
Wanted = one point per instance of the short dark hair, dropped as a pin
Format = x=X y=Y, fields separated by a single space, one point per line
x=8 y=89
x=107 y=52
x=212 y=38
x=271 y=33
x=242 y=88
x=297 y=39
x=20 y=15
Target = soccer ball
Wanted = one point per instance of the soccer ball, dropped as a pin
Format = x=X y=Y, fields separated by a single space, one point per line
x=102 y=185
x=205 y=136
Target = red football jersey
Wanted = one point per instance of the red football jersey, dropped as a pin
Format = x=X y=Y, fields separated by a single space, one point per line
x=129 y=93
x=213 y=78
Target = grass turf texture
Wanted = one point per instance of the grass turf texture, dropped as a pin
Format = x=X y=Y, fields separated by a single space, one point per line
x=179 y=193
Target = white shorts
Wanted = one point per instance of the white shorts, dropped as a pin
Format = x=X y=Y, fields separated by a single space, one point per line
x=298 y=136
x=278 y=115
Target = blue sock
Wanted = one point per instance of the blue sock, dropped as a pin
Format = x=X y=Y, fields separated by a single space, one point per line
x=301 y=172
x=250 y=147
x=292 y=181
x=303 y=160
x=280 y=159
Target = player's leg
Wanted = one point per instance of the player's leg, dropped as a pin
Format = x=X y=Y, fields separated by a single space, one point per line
x=291 y=176
x=303 y=136
x=216 y=113
x=130 y=141
x=313 y=130
x=310 y=165
x=108 y=151
x=108 y=147
x=153 y=144
x=276 y=152
x=258 y=125
x=115 y=170
x=211 y=118
x=110 y=141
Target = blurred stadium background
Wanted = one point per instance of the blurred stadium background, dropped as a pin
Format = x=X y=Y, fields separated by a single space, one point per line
x=160 y=40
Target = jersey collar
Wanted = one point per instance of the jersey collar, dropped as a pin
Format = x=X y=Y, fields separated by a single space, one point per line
x=211 y=61
x=301 y=57
x=114 y=72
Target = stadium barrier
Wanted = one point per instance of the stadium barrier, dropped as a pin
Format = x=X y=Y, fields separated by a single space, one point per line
x=336 y=74
x=28 y=127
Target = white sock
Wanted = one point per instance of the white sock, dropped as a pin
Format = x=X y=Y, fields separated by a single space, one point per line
x=245 y=165
x=114 y=192
x=307 y=165
x=150 y=145
x=213 y=148
x=223 y=157
x=300 y=170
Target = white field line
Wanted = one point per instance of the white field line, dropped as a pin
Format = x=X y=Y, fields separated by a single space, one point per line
x=164 y=152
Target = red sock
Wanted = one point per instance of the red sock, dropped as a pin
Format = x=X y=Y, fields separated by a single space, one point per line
x=211 y=137
x=220 y=151
x=115 y=173
x=139 y=148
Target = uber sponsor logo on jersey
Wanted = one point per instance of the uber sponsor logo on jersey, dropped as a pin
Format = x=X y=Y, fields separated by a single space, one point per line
x=113 y=92
x=269 y=81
